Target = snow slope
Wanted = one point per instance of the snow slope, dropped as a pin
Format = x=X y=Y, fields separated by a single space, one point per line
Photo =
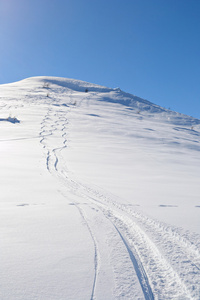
x=99 y=194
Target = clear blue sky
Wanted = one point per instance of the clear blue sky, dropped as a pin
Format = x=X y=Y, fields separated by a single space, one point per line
x=150 y=48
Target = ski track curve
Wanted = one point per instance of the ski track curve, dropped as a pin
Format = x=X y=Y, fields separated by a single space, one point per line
x=165 y=260
x=48 y=129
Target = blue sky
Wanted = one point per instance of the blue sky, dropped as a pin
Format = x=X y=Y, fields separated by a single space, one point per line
x=150 y=48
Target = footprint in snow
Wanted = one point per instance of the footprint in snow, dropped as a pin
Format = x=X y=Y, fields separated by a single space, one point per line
x=163 y=205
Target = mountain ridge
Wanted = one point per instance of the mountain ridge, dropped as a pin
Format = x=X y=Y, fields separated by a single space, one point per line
x=115 y=95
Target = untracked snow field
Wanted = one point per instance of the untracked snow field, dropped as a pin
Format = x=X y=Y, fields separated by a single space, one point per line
x=100 y=195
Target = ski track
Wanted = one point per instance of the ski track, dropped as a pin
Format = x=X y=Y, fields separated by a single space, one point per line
x=182 y=255
x=59 y=125
x=141 y=274
x=96 y=255
x=162 y=256
x=154 y=272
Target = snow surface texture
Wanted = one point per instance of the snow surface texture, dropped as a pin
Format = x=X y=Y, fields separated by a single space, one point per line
x=99 y=195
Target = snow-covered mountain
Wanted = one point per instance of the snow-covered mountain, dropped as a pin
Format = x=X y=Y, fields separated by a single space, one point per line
x=99 y=194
